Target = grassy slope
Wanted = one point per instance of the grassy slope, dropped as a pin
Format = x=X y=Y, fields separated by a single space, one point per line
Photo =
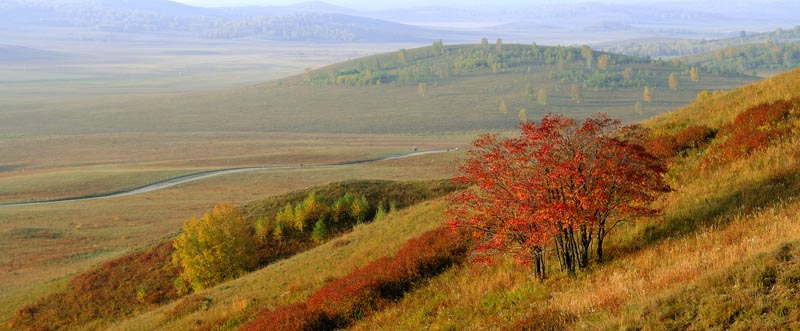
x=296 y=278
x=141 y=221
x=46 y=243
x=710 y=224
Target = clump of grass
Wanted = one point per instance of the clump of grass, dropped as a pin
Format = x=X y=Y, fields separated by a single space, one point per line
x=760 y=293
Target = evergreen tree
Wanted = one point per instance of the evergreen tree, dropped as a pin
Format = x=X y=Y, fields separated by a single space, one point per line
x=320 y=232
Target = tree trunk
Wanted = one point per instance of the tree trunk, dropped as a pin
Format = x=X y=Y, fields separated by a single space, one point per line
x=601 y=233
x=537 y=255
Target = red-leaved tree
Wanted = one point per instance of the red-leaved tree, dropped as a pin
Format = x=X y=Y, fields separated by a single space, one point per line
x=561 y=186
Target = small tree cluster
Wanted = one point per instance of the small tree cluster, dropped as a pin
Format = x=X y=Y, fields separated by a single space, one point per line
x=561 y=185
x=369 y=289
x=314 y=217
x=215 y=248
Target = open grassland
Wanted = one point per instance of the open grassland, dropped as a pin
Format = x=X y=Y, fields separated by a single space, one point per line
x=74 y=183
x=100 y=64
x=69 y=166
x=715 y=110
x=46 y=242
x=465 y=101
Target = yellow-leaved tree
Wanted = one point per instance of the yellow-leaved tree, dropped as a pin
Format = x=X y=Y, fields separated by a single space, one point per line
x=218 y=247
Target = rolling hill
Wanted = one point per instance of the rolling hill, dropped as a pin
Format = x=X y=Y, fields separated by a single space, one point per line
x=672 y=47
x=731 y=219
x=466 y=88
x=17 y=54
x=313 y=21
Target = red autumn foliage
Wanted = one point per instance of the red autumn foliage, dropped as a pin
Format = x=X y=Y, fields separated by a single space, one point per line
x=292 y=317
x=694 y=136
x=117 y=289
x=667 y=146
x=368 y=289
x=753 y=130
x=663 y=146
x=560 y=182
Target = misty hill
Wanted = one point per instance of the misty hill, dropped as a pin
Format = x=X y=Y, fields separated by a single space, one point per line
x=312 y=21
x=319 y=7
x=319 y=21
x=434 y=89
x=12 y=53
x=670 y=47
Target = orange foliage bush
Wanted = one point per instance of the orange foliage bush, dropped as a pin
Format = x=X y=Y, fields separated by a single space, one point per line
x=119 y=288
x=366 y=290
x=667 y=146
x=695 y=136
x=752 y=130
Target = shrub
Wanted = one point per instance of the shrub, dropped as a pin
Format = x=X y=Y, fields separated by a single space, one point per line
x=368 y=289
x=694 y=136
x=753 y=130
x=117 y=289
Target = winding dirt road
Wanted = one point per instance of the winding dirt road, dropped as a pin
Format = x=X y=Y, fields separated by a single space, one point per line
x=213 y=173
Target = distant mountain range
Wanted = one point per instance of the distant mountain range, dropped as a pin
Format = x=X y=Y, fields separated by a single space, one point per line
x=312 y=21
x=323 y=22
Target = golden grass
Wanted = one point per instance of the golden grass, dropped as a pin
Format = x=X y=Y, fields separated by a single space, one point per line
x=724 y=107
x=296 y=278
x=710 y=223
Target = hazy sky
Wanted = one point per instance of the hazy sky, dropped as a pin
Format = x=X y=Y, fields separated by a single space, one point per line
x=383 y=4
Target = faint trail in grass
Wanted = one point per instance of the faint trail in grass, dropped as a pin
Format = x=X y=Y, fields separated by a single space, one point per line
x=160 y=185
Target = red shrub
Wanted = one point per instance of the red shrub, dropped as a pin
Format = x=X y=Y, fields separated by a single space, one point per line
x=663 y=147
x=118 y=288
x=667 y=146
x=366 y=290
x=293 y=317
x=694 y=136
x=754 y=129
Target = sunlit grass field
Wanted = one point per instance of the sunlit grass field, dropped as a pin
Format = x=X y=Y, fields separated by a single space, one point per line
x=73 y=146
